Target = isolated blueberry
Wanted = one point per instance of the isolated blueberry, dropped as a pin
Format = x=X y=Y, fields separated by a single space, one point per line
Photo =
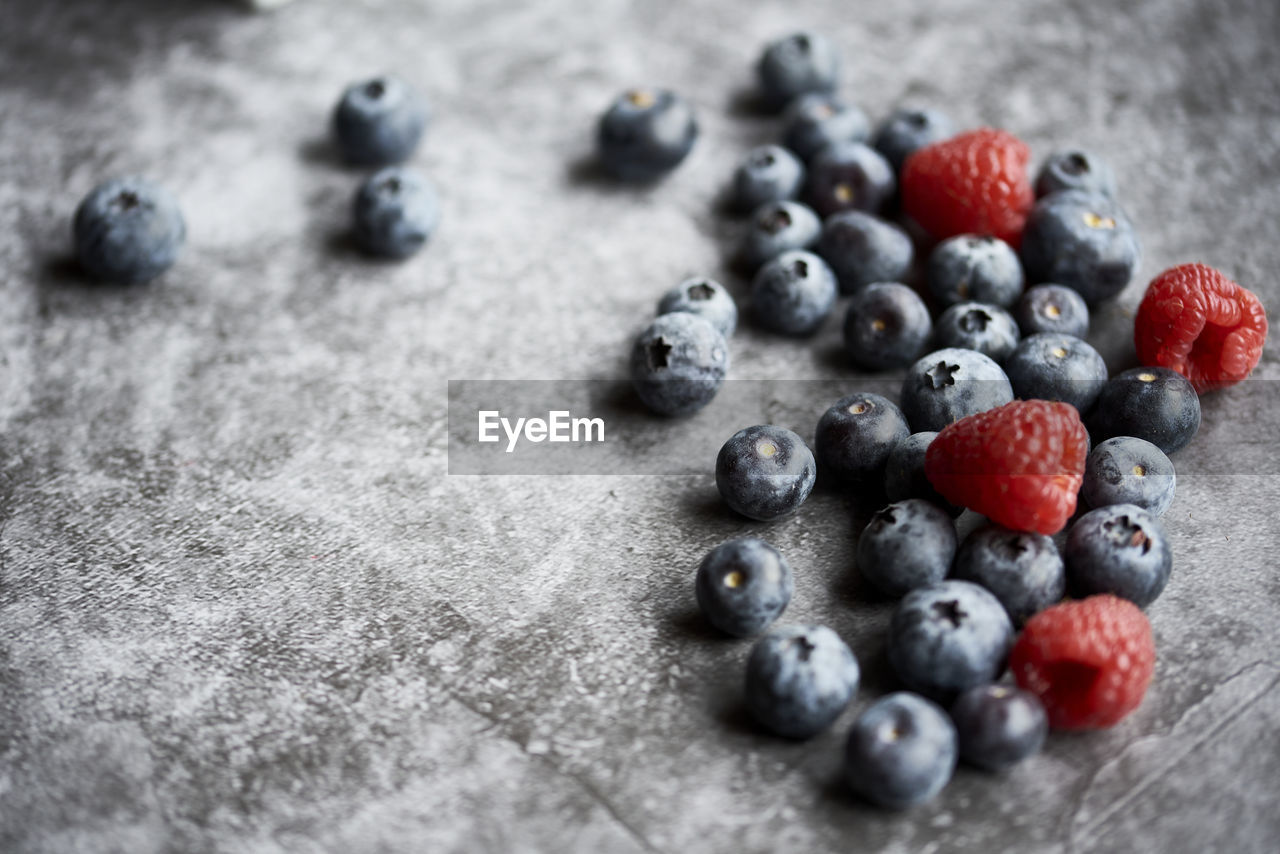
x=906 y=545
x=128 y=230
x=645 y=134
x=947 y=385
x=793 y=293
x=380 y=121
x=678 y=363
x=1081 y=240
x=1075 y=169
x=862 y=249
x=1050 y=366
x=799 y=680
x=976 y=268
x=706 y=298
x=1129 y=470
x=1120 y=549
x=1020 y=568
x=983 y=327
x=854 y=437
x=1052 y=308
x=1155 y=404
x=776 y=228
x=769 y=173
x=743 y=585
x=815 y=121
x=395 y=211
x=849 y=176
x=901 y=751
x=999 y=725
x=908 y=129
x=904 y=475
x=796 y=65
x=886 y=325
x=765 y=472
x=948 y=637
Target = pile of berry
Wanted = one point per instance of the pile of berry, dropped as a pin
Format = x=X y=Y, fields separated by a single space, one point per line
x=998 y=390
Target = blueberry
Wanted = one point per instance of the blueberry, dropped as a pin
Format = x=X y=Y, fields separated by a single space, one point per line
x=1120 y=549
x=678 y=363
x=1020 y=568
x=395 y=211
x=906 y=545
x=999 y=725
x=1052 y=308
x=849 y=176
x=1128 y=470
x=908 y=129
x=793 y=293
x=743 y=585
x=947 y=385
x=776 y=228
x=799 y=680
x=1074 y=169
x=645 y=134
x=862 y=249
x=854 y=438
x=904 y=475
x=886 y=326
x=765 y=472
x=813 y=122
x=1155 y=404
x=796 y=65
x=1081 y=240
x=768 y=173
x=901 y=751
x=948 y=637
x=986 y=328
x=972 y=267
x=706 y=298
x=1050 y=366
x=380 y=121
x=128 y=230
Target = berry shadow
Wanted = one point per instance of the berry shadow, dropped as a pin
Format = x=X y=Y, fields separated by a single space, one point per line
x=689 y=622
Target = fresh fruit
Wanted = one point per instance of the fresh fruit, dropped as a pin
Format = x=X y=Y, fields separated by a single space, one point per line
x=1119 y=549
x=768 y=173
x=1075 y=169
x=985 y=328
x=849 y=176
x=1129 y=470
x=1052 y=366
x=765 y=472
x=799 y=679
x=776 y=228
x=396 y=211
x=906 y=545
x=998 y=726
x=706 y=298
x=907 y=130
x=971 y=267
x=1081 y=240
x=862 y=249
x=904 y=475
x=815 y=121
x=793 y=293
x=128 y=230
x=678 y=363
x=743 y=585
x=1021 y=568
x=950 y=384
x=886 y=325
x=379 y=122
x=645 y=134
x=1052 y=308
x=901 y=751
x=854 y=438
x=949 y=637
x=796 y=65
x=1156 y=404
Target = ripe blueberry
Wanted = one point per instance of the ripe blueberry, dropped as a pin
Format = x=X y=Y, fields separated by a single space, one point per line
x=815 y=121
x=908 y=129
x=986 y=328
x=886 y=325
x=1128 y=470
x=904 y=475
x=396 y=210
x=1120 y=549
x=1050 y=366
x=128 y=230
x=645 y=134
x=765 y=472
x=1155 y=404
x=948 y=385
x=379 y=122
x=971 y=267
x=854 y=438
x=799 y=679
x=1075 y=169
x=849 y=176
x=769 y=173
x=901 y=751
x=1052 y=308
x=678 y=363
x=1081 y=240
x=776 y=228
x=949 y=637
x=906 y=545
x=1020 y=568
x=796 y=65
x=999 y=725
x=862 y=249
x=706 y=298
x=743 y=585
x=793 y=293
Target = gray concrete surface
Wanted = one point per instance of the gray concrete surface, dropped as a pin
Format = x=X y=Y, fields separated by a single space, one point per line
x=243 y=608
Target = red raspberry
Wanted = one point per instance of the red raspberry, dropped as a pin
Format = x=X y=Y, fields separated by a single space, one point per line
x=1020 y=464
x=1201 y=324
x=974 y=183
x=1089 y=661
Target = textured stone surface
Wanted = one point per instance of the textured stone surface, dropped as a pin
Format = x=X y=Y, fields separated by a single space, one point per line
x=244 y=608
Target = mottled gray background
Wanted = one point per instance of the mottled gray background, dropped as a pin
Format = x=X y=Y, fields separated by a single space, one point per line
x=243 y=608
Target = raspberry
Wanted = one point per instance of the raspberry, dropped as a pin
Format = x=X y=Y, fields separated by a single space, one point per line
x=1089 y=661
x=1020 y=464
x=1201 y=324
x=974 y=183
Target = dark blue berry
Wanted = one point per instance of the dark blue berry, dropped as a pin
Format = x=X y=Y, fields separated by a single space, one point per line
x=380 y=121
x=983 y=327
x=1020 y=568
x=1050 y=366
x=645 y=134
x=1081 y=240
x=796 y=65
x=1075 y=169
x=998 y=725
x=765 y=472
x=706 y=298
x=815 y=121
x=743 y=585
x=948 y=637
x=947 y=385
x=970 y=267
x=1052 y=308
x=128 y=230
x=863 y=249
x=793 y=293
x=906 y=545
x=904 y=475
x=901 y=751
x=776 y=228
x=908 y=129
x=854 y=438
x=849 y=176
x=769 y=173
x=887 y=325
x=396 y=211
x=1155 y=404
x=678 y=363
x=799 y=680
x=1129 y=470
x=1120 y=549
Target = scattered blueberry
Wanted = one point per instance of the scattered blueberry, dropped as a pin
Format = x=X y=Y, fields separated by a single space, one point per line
x=904 y=475
x=1155 y=404
x=998 y=725
x=380 y=121
x=1020 y=568
x=1081 y=240
x=765 y=472
x=1075 y=169
x=776 y=228
x=849 y=176
x=901 y=751
x=396 y=211
x=793 y=293
x=1120 y=549
x=645 y=134
x=1129 y=470
x=1052 y=308
x=1051 y=366
x=949 y=637
x=796 y=65
x=906 y=545
x=769 y=173
x=706 y=298
x=815 y=121
x=908 y=129
x=799 y=680
x=854 y=438
x=678 y=363
x=887 y=325
x=743 y=585
x=862 y=249
x=948 y=385
x=970 y=267
x=983 y=327
x=128 y=230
